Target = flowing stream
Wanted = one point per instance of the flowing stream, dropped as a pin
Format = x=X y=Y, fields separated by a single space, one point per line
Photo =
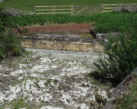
x=47 y=79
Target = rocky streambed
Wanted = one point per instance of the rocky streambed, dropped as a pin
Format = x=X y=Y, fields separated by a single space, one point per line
x=50 y=79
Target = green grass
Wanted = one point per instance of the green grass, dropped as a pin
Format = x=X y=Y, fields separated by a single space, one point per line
x=27 y=4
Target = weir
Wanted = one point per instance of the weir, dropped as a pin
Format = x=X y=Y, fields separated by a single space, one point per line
x=55 y=74
x=67 y=42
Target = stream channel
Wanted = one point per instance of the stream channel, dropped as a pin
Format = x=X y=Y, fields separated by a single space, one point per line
x=50 y=79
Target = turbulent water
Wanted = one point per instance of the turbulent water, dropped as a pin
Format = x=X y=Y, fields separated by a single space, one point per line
x=50 y=80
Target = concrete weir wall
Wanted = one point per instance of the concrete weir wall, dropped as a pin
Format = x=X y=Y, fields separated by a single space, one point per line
x=61 y=42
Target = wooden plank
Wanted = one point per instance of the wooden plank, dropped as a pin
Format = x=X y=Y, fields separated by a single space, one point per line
x=110 y=4
x=40 y=6
x=109 y=7
x=53 y=10
x=106 y=11
x=53 y=13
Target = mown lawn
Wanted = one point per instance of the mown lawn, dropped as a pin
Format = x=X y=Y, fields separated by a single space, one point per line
x=28 y=4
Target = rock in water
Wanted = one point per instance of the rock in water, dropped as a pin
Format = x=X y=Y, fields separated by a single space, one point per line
x=11 y=12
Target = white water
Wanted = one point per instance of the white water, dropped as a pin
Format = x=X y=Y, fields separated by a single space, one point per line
x=56 y=78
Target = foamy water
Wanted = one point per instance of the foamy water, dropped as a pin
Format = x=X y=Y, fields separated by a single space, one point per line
x=57 y=79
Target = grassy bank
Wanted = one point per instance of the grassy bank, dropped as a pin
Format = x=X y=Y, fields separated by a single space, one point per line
x=28 y=4
x=106 y=22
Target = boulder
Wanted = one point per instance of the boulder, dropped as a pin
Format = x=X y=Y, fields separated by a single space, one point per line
x=11 y=12
x=1 y=0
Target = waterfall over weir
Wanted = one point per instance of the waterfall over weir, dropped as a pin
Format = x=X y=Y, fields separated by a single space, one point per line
x=48 y=77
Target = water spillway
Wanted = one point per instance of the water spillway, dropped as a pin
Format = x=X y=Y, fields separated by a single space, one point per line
x=51 y=79
x=67 y=42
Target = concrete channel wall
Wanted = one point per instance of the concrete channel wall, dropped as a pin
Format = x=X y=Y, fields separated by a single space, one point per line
x=121 y=90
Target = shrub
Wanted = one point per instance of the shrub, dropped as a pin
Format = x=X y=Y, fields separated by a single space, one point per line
x=105 y=22
x=10 y=44
x=5 y=20
x=119 y=60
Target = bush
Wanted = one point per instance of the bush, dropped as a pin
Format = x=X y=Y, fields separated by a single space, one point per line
x=5 y=19
x=105 y=22
x=119 y=60
x=10 y=44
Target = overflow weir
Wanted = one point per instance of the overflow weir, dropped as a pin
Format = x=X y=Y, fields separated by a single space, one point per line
x=67 y=42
